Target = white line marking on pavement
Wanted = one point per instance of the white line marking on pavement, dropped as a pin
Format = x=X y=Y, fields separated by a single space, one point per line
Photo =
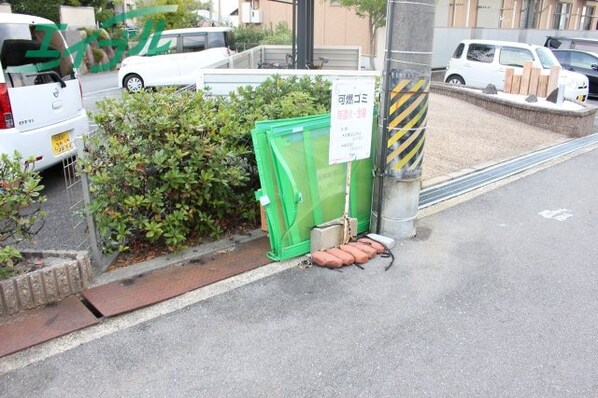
x=87 y=95
x=559 y=215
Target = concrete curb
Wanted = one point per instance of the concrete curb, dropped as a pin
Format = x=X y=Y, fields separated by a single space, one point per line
x=481 y=166
x=67 y=273
x=175 y=259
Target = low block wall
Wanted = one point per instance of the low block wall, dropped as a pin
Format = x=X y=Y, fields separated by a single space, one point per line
x=574 y=123
x=69 y=273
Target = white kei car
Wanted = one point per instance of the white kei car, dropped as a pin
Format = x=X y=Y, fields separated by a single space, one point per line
x=477 y=63
x=182 y=52
x=41 y=105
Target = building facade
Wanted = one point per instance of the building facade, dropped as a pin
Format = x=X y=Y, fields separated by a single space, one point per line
x=518 y=14
x=337 y=25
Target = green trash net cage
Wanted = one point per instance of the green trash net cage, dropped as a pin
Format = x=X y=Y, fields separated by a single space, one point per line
x=299 y=189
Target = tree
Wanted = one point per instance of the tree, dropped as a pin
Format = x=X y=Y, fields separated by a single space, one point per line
x=184 y=17
x=375 y=12
x=50 y=8
x=46 y=9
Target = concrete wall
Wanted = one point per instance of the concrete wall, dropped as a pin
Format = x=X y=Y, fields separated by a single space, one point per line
x=78 y=17
x=5 y=7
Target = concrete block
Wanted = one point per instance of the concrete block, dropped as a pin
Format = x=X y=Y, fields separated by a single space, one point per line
x=37 y=288
x=50 y=285
x=485 y=165
x=460 y=173
x=435 y=180
x=25 y=292
x=330 y=234
x=65 y=274
x=10 y=296
x=86 y=271
x=74 y=276
x=64 y=289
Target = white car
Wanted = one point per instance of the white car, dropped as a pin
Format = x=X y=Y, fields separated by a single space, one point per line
x=41 y=106
x=477 y=63
x=175 y=57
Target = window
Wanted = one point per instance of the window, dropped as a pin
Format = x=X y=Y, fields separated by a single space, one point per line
x=510 y=56
x=216 y=39
x=587 y=14
x=563 y=57
x=562 y=13
x=581 y=60
x=480 y=53
x=194 y=43
x=459 y=51
x=546 y=57
x=166 y=45
x=20 y=69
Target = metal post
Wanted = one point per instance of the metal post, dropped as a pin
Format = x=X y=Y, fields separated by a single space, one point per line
x=301 y=33
x=294 y=44
x=305 y=33
x=310 y=31
x=404 y=106
x=96 y=252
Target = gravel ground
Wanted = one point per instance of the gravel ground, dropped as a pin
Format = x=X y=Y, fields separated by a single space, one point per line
x=461 y=135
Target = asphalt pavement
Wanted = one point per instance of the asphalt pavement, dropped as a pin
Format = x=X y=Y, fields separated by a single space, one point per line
x=496 y=296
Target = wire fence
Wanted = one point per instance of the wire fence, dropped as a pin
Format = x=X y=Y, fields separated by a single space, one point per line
x=83 y=227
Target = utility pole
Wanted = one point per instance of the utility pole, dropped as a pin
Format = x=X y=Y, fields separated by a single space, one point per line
x=402 y=125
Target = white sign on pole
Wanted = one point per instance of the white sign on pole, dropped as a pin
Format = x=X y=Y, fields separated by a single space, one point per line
x=351 y=114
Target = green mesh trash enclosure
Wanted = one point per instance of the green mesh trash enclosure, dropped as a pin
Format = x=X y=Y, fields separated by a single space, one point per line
x=299 y=190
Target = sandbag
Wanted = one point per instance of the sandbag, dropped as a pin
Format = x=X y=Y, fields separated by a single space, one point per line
x=369 y=250
x=360 y=256
x=347 y=258
x=379 y=247
x=327 y=260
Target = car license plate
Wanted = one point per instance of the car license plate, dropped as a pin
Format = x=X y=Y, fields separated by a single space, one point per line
x=581 y=98
x=61 y=143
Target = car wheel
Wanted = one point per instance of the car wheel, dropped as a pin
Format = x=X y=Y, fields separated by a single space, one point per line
x=455 y=79
x=133 y=83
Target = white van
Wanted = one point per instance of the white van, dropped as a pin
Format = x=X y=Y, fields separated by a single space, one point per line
x=477 y=63
x=41 y=106
x=175 y=58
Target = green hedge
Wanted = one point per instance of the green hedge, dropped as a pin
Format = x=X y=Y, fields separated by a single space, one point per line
x=20 y=207
x=167 y=167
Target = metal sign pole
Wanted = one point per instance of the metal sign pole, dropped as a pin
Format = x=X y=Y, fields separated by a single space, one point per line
x=346 y=229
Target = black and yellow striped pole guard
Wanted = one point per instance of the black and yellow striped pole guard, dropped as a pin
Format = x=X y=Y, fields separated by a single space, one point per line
x=407 y=101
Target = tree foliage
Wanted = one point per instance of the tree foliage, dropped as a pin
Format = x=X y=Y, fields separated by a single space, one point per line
x=184 y=17
x=374 y=11
x=251 y=36
x=50 y=9
x=20 y=207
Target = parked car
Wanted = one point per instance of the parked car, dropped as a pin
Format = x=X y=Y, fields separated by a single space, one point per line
x=566 y=43
x=41 y=105
x=582 y=62
x=175 y=57
x=477 y=63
